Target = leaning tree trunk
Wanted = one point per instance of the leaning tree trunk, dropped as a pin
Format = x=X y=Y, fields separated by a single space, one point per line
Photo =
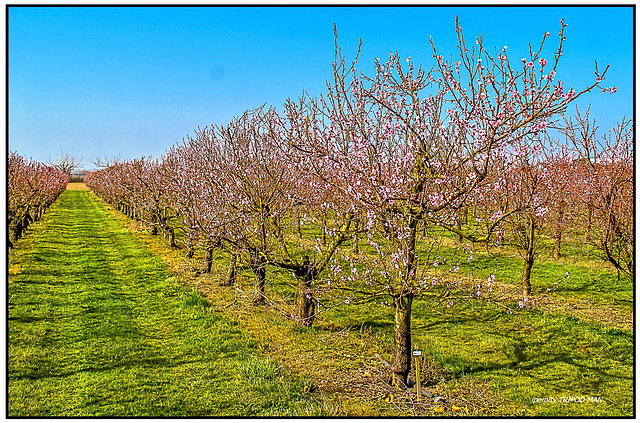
x=258 y=266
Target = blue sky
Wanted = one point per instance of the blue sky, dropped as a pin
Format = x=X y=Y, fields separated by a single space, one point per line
x=132 y=81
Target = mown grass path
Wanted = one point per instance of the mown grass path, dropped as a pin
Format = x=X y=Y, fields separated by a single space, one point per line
x=98 y=327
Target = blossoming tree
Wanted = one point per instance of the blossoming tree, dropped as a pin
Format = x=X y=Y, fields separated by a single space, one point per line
x=411 y=146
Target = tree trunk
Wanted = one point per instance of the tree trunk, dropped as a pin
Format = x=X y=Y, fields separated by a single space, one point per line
x=526 y=277
x=557 y=233
x=309 y=271
x=259 y=271
x=26 y=221
x=231 y=273
x=558 y=242
x=305 y=303
x=172 y=237
x=402 y=311
x=208 y=258
x=17 y=231
x=530 y=234
x=190 y=248
x=402 y=338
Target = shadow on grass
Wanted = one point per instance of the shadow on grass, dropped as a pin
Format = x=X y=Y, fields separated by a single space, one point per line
x=535 y=355
x=150 y=365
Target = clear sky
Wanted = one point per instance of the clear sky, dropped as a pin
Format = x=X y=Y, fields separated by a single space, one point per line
x=132 y=81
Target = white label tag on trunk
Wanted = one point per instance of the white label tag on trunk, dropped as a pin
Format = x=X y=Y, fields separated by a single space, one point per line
x=417 y=352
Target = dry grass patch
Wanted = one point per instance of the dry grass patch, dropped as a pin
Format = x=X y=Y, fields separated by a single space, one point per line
x=77 y=186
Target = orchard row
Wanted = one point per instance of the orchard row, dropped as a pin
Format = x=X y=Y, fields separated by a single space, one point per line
x=407 y=167
x=32 y=187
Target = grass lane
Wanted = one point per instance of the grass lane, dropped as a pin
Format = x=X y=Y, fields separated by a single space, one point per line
x=98 y=327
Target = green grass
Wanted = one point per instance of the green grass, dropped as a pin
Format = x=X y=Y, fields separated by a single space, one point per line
x=522 y=356
x=97 y=326
x=588 y=279
x=534 y=355
x=512 y=361
x=586 y=366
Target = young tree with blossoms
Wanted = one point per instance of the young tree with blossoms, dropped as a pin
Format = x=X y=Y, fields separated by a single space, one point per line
x=528 y=185
x=251 y=196
x=561 y=168
x=409 y=146
x=182 y=181
x=277 y=188
x=603 y=186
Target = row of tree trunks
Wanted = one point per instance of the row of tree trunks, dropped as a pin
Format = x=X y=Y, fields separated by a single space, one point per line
x=18 y=225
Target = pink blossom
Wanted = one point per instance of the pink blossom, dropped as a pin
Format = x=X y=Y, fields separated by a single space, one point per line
x=497 y=215
x=541 y=211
